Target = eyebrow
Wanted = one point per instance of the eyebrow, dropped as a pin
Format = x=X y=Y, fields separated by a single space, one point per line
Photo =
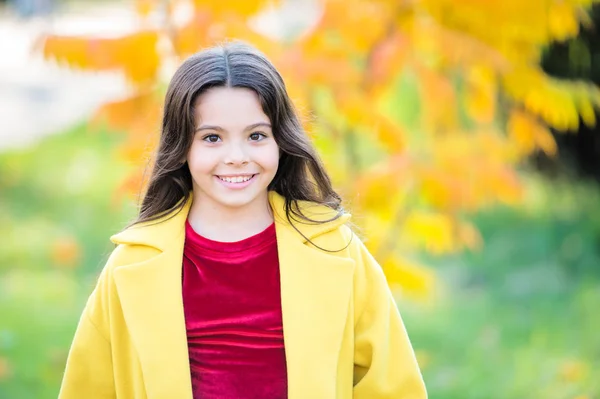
x=220 y=129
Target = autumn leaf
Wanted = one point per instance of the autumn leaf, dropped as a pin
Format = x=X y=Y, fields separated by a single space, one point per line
x=528 y=135
x=66 y=252
x=414 y=279
x=433 y=231
x=135 y=54
x=244 y=8
x=481 y=94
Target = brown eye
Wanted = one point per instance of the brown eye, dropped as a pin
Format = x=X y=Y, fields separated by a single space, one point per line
x=211 y=138
x=257 y=136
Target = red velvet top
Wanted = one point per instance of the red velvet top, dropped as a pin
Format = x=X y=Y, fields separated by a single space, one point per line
x=232 y=306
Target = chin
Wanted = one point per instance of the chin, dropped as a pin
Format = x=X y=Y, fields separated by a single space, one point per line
x=234 y=201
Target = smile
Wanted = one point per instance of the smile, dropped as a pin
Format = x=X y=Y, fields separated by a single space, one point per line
x=236 y=179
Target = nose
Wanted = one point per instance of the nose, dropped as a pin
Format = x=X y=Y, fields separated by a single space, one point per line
x=236 y=154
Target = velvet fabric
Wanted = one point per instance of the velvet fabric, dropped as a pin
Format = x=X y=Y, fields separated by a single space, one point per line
x=232 y=306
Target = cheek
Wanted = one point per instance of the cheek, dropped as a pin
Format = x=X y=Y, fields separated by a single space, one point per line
x=200 y=160
x=274 y=155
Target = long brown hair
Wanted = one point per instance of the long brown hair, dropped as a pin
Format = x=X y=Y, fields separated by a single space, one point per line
x=300 y=174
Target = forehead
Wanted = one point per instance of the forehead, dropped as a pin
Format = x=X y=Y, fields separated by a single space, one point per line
x=229 y=107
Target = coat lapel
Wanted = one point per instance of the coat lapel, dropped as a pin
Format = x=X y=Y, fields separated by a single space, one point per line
x=315 y=297
x=316 y=289
x=315 y=294
x=151 y=297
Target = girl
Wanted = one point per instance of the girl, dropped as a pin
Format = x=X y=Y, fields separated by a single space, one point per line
x=240 y=278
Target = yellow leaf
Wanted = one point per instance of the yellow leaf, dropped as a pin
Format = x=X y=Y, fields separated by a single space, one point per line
x=243 y=8
x=414 y=279
x=378 y=189
x=433 y=231
x=353 y=105
x=562 y=20
x=587 y=112
x=376 y=229
x=481 y=94
x=145 y=7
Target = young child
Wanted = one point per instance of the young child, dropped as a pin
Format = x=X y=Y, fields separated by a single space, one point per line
x=240 y=278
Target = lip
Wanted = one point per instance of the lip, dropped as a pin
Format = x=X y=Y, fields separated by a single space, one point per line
x=236 y=186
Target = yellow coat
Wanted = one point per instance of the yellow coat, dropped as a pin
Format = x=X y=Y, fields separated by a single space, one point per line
x=342 y=331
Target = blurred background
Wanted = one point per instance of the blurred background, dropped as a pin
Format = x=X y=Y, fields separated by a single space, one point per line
x=462 y=135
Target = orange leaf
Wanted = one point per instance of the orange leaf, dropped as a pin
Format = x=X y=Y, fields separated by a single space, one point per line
x=439 y=100
x=142 y=108
x=133 y=185
x=387 y=59
x=194 y=34
x=528 y=134
x=66 y=252
x=134 y=54
x=389 y=133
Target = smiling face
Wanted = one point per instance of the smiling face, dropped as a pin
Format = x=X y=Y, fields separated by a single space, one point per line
x=233 y=156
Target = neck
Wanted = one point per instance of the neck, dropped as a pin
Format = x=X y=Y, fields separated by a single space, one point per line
x=228 y=224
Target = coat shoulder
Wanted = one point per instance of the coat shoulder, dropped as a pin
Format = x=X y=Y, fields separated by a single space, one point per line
x=127 y=254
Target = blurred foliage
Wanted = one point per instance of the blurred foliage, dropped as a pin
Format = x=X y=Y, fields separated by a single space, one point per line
x=423 y=107
x=56 y=211
x=576 y=58
x=518 y=319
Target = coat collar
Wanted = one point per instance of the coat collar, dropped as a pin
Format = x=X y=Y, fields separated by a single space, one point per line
x=161 y=233
x=316 y=290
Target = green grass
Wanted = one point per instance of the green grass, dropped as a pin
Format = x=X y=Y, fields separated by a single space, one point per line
x=519 y=318
x=62 y=187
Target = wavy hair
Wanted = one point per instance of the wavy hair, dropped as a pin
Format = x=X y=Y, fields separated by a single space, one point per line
x=300 y=174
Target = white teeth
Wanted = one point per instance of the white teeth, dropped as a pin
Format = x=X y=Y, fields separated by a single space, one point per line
x=236 y=179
